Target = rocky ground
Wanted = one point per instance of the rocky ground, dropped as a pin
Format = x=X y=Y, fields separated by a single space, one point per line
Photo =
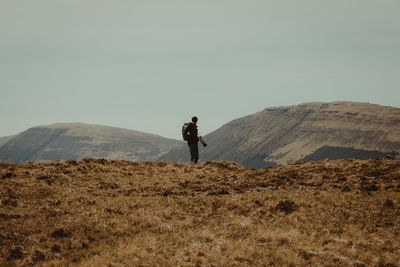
x=118 y=213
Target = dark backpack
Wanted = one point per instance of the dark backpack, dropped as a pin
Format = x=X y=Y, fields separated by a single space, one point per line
x=185 y=132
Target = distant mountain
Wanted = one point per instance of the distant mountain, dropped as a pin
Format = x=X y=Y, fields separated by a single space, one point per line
x=5 y=139
x=78 y=141
x=311 y=131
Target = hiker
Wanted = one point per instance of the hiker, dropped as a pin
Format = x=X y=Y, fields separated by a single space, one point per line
x=189 y=132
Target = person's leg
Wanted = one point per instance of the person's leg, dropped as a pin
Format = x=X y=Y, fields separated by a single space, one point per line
x=191 y=152
x=194 y=152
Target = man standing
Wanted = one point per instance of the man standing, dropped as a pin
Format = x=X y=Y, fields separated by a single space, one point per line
x=190 y=135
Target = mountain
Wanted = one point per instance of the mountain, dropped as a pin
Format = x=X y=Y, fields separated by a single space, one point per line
x=310 y=131
x=78 y=141
x=5 y=139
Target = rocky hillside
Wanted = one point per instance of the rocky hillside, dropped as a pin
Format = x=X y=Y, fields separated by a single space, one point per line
x=77 y=141
x=310 y=131
x=97 y=212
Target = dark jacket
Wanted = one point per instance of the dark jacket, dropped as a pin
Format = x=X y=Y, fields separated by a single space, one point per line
x=192 y=131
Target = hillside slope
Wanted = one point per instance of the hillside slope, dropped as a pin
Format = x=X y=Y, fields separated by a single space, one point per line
x=5 y=139
x=78 y=141
x=280 y=135
x=97 y=212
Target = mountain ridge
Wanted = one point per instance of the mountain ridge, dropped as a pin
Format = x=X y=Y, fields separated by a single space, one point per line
x=284 y=134
x=273 y=136
x=5 y=139
x=63 y=141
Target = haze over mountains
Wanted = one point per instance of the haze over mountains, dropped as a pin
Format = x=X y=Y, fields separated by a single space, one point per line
x=78 y=141
x=274 y=136
x=310 y=131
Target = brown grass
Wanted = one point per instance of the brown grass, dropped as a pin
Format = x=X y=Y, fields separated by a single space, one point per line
x=97 y=212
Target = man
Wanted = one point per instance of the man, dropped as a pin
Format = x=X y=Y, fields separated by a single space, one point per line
x=193 y=140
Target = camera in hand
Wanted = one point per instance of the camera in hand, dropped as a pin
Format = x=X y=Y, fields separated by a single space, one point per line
x=203 y=143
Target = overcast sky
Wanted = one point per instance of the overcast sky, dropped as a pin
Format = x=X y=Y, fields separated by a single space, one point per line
x=150 y=65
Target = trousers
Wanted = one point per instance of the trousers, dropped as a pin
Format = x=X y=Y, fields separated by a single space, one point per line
x=194 y=152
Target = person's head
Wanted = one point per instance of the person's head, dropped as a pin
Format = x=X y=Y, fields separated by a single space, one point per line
x=194 y=119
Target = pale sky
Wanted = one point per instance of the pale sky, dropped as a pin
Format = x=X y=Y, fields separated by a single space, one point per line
x=151 y=65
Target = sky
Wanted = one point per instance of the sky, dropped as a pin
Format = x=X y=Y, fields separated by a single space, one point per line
x=151 y=65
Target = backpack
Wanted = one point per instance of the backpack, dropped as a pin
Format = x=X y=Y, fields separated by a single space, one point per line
x=185 y=132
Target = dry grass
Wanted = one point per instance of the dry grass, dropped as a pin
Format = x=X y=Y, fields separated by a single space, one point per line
x=119 y=213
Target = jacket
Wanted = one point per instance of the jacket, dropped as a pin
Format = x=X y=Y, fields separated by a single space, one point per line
x=192 y=131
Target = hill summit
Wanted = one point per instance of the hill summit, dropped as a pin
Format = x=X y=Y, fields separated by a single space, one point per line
x=74 y=141
x=310 y=131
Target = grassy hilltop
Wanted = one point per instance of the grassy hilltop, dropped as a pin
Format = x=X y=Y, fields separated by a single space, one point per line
x=100 y=212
